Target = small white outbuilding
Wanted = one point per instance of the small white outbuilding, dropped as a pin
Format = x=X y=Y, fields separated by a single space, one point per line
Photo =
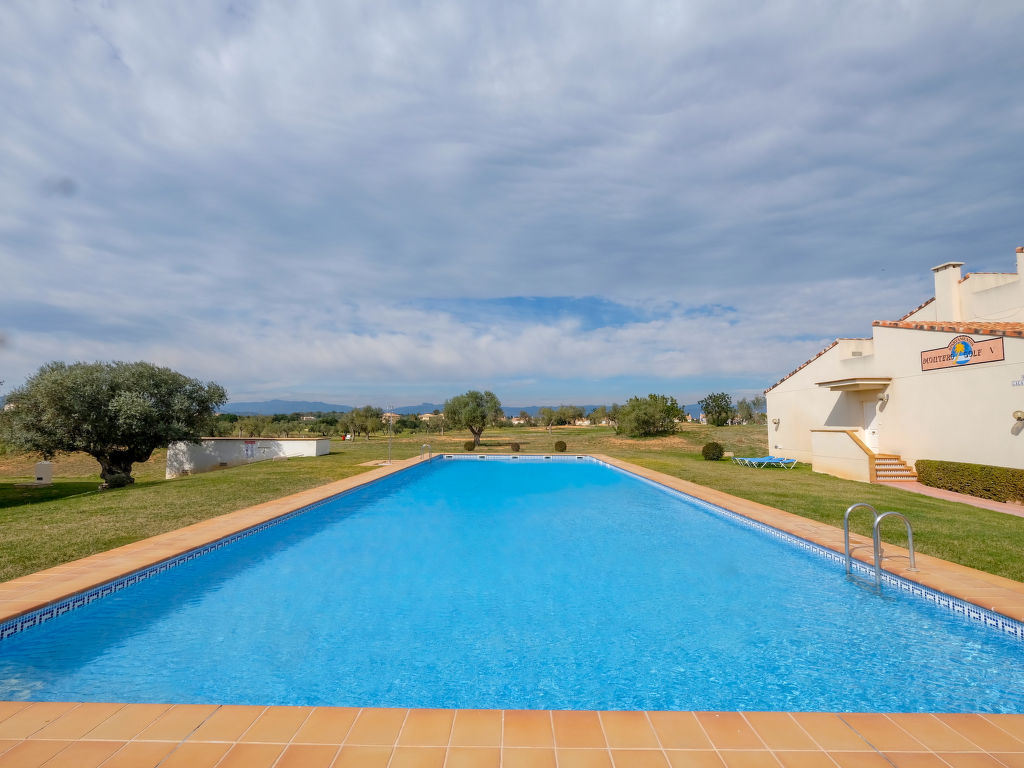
x=214 y=452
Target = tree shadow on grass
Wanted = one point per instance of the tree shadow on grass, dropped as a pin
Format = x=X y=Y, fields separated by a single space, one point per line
x=13 y=496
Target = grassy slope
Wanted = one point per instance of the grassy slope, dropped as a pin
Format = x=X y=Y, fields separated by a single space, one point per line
x=43 y=527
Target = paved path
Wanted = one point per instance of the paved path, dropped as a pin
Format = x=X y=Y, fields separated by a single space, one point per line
x=963 y=498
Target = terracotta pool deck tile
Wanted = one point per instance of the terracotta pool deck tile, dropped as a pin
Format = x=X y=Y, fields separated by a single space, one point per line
x=1009 y=723
x=7 y=744
x=577 y=729
x=128 y=722
x=971 y=760
x=8 y=708
x=308 y=756
x=277 y=725
x=362 y=757
x=729 y=730
x=251 y=756
x=931 y=731
x=829 y=731
x=417 y=757
x=140 y=754
x=427 y=727
x=804 y=759
x=84 y=754
x=916 y=760
x=477 y=728
x=33 y=718
x=697 y=758
x=860 y=760
x=228 y=723
x=78 y=722
x=583 y=758
x=983 y=733
x=679 y=730
x=882 y=733
x=376 y=727
x=779 y=731
x=1010 y=759
x=472 y=757
x=625 y=730
x=748 y=758
x=32 y=754
x=639 y=758
x=527 y=757
x=527 y=728
x=177 y=722
x=196 y=755
x=326 y=725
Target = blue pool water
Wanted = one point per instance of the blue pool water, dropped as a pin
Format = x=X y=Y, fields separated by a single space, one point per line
x=516 y=585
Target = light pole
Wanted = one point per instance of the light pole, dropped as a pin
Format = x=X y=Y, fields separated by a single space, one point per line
x=391 y=424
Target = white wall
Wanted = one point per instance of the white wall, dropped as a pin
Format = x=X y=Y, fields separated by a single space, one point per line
x=190 y=458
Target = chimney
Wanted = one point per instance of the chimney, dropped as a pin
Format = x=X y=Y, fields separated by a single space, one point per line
x=947 y=291
x=1020 y=261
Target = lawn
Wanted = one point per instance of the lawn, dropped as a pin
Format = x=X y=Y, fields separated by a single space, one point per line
x=47 y=526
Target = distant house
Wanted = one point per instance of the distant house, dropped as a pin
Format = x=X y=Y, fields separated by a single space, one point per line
x=581 y=423
x=308 y=418
x=390 y=417
x=428 y=416
x=518 y=420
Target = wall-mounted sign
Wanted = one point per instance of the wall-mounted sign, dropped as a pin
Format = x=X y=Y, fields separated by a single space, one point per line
x=1017 y=382
x=963 y=350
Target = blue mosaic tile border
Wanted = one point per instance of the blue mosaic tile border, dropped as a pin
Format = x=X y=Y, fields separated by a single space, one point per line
x=53 y=610
x=991 y=619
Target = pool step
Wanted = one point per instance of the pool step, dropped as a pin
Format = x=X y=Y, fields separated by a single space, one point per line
x=891 y=468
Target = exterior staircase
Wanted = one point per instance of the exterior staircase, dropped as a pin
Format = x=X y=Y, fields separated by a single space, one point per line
x=890 y=468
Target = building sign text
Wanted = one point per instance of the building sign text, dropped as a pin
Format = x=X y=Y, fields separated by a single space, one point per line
x=963 y=350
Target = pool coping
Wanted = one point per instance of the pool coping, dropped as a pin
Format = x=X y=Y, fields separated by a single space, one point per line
x=111 y=735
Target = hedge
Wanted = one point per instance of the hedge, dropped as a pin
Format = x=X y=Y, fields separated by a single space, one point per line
x=981 y=480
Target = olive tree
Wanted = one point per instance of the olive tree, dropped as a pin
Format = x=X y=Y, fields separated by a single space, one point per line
x=118 y=413
x=717 y=408
x=473 y=411
x=647 y=416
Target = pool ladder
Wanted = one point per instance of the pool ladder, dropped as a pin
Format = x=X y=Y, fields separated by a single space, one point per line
x=876 y=538
x=425 y=448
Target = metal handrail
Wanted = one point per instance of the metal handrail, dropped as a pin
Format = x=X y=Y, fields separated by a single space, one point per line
x=878 y=544
x=846 y=531
x=425 y=448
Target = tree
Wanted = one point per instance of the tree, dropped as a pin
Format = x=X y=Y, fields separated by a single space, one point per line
x=118 y=413
x=364 y=420
x=745 y=410
x=473 y=411
x=599 y=414
x=653 y=415
x=717 y=408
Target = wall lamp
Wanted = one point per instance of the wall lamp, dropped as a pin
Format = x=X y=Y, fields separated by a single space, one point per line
x=1018 y=415
x=883 y=399
x=776 y=422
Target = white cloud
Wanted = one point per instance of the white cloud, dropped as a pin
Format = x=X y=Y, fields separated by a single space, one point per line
x=258 y=192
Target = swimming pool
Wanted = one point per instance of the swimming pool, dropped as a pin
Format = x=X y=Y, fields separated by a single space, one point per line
x=529 y=584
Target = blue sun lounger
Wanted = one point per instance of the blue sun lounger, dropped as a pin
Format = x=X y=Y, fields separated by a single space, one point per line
x=766 y=461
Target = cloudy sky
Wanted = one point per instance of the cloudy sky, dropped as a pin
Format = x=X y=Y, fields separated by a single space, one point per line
x=393 y=202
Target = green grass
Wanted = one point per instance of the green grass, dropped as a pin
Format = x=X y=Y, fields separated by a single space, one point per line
x=46 y=526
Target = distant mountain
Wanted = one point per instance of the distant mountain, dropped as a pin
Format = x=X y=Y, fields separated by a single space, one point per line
x=270 y=407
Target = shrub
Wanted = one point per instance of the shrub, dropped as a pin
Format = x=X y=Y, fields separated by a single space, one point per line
x=514 y=447
x=469 y=445
x=560 y=446
x=712 y=451
x=981 y=480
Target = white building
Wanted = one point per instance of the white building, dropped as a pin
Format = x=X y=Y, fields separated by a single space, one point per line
x=945 y=381
x=215 y=452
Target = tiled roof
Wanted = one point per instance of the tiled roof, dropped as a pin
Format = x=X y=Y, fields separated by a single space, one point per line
x=918 y=308
x=826 y=349
x=948 y=326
